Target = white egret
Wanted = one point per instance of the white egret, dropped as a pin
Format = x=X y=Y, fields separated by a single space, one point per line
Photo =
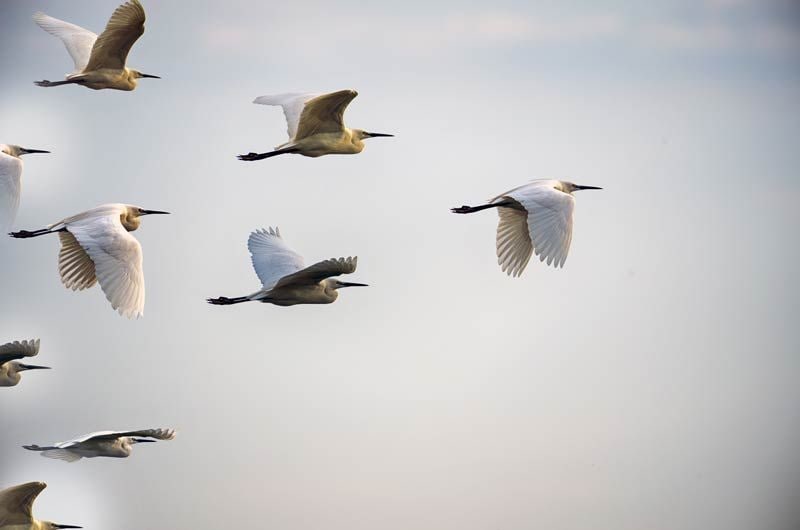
x=11 y=181
x=316 y=125
x=10 y=367
x=96 y=247
x=111 y=444
x=285 y=278
x=100 y=61
x=534 y=218
x=16 y=507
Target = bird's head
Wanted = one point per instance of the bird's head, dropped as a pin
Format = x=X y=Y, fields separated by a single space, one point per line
x=139 y=75
x=363 y=135
x=20 y=367
x=47 y=525
x=131 y=216
x=17 y=151
x=569 y=187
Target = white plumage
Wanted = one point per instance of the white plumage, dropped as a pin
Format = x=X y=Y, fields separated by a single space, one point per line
x=96 y=246
x=10 y=367
x=11 y=182
x=111 y=444
x=535 y=218
x=16 y=508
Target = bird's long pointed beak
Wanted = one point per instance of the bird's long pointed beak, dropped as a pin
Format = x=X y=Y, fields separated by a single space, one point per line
x=55 y=525
x=151 y=76
x=154 y=212
x=33 y=367
x=26 y=151
x=352 y=284
x=378 y=135
x=143 y=440
x=578 y=187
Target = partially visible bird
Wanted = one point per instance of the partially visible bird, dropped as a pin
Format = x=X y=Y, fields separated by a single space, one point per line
x=16 y=507
x=11 y=181
x=285 y=278
x=100 y=61
x=10 y=368
x=96 y=246
x=534 y=218
x=316 y=125
x=111 y=444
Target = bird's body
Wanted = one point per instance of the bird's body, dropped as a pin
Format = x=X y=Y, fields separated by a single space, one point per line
x=534 y=218
x=16 y=508
x=96 y=246
x=100 y=60
x=109 y=444
x=315 y=125
x=11 y=181
x=10 y=367
x=285 y=279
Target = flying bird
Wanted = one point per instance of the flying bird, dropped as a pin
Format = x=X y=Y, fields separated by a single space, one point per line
x=100 y=61
x=285 y=278
x=16 y=506
x=111 y=444
x=96 y=247
x=11 y=181
x=316 y=125
x=534 y=218
x=10 y=367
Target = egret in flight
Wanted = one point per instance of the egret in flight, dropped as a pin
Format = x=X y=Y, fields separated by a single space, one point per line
x=96 y=246
x=16 y=506
x=316 y=125
x=100 y=61
x=285 y=278
x=111 y=444
x=10 y=181
x=534 y=218
x=10 y=367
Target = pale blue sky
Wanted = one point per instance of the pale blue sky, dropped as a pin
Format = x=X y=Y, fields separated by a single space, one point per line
x=651 y=383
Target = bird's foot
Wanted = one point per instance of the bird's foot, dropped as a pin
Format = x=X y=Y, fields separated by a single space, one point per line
x=22 y=234
x=462 y=209
x=250 y=157
x=44 y=83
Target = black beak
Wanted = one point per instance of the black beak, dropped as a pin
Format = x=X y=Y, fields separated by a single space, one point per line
x=351 y=284
x=578 y=188
x=65 y=526
x=143 y=440
x=378 y=135
x=33 y=367
x=150 y=76
x=153 y=212
x=26 y=151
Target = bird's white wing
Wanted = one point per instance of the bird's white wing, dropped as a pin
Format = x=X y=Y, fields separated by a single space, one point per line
x=61 y=454
x=292 y=107
x=10 y=188
x=86 y=437
x=272 y=257
x=77 y=40
x=74 y=264
x=124 y=28
x=18 y=349
x=16 y=503
x=549 y=220
x=514 y=246
x=158 y=434
x=319 y=271
x=324 y=114
x=117 y=258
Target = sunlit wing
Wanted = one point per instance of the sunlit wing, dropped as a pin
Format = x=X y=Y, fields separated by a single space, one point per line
x=514 y=247
x=324 y=114
x=549 y=221
x=16 y=503
x=111 y=48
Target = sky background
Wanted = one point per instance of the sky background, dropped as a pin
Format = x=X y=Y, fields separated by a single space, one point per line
x=651 y=383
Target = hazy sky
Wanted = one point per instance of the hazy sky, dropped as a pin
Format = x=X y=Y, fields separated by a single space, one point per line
x=650 y=384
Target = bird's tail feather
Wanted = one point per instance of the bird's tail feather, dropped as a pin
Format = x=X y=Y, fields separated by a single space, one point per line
x=222 y=300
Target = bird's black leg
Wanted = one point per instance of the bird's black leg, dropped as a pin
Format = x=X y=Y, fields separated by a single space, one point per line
x=24 y=234
x=47 y=83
